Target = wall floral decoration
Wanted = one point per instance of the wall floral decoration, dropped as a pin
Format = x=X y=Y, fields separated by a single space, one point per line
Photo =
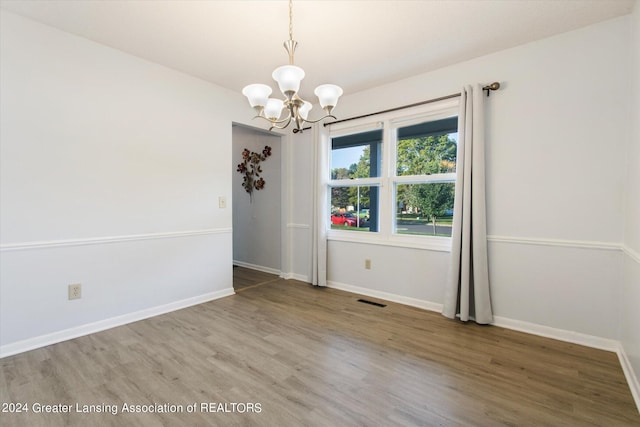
x=251 y=169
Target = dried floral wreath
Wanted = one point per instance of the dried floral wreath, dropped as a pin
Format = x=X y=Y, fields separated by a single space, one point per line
x=251 y=169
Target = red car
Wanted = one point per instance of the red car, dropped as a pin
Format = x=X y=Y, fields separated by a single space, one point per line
x=346 y=219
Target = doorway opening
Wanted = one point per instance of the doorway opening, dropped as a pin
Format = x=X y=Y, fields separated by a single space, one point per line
x=257 y=217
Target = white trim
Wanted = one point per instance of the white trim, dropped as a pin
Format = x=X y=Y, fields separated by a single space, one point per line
x=363 y=124
x=631 y=253
x=438 y=110
x=424 y=179
x=413 y=302
x=504 y=322
x=583 y=244
x=356 y=182
x=444 y=245
x=108 y=239
x=101 y=325
x=258 y=267
x=557 y=334
x=630 y=375
x=286 y=198
x=301 y=226
x=427 y=243
x=295 y=276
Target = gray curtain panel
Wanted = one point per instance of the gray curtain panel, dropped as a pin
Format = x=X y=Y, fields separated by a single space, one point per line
x=467 y=292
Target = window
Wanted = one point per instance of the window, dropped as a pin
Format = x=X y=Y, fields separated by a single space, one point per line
x=356 y=166
x=425 y=177
x=393 y=182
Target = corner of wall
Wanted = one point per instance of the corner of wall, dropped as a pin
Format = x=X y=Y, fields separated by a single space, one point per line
x=629 y=352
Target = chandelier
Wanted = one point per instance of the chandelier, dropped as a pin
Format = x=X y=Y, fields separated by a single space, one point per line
x=288 y=78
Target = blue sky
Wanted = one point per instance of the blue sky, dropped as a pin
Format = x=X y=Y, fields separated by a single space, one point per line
x=345 y=157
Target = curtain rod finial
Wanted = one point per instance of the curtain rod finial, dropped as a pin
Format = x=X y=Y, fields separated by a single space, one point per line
x=492 y=86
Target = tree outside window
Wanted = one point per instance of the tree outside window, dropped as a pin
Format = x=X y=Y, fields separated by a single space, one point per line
x=419 y=205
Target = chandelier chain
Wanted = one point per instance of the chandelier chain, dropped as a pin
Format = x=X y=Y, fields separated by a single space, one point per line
x=290 y=19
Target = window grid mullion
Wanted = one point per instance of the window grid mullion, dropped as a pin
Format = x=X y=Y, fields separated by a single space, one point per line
x=360 y=182
x=386 y=197
x=425 y=179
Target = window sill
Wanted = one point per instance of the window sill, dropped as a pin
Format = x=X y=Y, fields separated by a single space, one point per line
x=430 y=243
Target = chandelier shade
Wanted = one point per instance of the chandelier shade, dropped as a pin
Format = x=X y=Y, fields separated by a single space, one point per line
x=273 y=109
x=328 y=95
x=289 y=78
x=257 y=94
x=304 y=110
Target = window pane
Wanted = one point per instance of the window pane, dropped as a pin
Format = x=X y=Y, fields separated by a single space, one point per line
x=354 y=208
x=427 y=148
x=425 y=209
x=351 y=162
x=356 y=156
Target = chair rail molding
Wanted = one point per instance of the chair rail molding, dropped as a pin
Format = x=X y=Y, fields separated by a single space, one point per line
x=631 y=253
x=109 y=239
x=583 y=244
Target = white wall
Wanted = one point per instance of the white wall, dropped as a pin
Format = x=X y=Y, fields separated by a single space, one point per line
x=557 y=131
x=630 y=314
x=111 y=168
x=257 y=220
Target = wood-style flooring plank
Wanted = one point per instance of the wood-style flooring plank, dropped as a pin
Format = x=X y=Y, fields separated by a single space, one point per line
x=318 y=357
x=244 y=278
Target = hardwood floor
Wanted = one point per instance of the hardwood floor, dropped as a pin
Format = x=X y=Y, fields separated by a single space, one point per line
x=244 y=278
x=317 y=357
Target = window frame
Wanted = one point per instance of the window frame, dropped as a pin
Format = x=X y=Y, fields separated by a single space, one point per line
x=358 y=182
x=389 y=123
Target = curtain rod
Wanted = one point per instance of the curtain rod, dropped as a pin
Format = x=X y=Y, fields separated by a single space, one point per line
x=488 y=88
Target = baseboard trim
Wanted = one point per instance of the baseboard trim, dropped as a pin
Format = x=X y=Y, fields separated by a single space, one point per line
x=557 y=334
x=294 y=276
x=91 y=328
x=630 y=375
x=413 y=302
x=503 y=322
x=258 y=267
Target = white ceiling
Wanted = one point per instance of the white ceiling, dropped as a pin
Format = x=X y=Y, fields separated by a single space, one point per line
x=355 y=44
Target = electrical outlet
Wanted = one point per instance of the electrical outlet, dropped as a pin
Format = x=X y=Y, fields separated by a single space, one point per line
x=222 y=202
x=75 y=291
x=367 y=264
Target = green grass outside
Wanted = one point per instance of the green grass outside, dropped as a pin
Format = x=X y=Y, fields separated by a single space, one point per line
x=414 y=233
x=344 y=227
x=415 y=219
